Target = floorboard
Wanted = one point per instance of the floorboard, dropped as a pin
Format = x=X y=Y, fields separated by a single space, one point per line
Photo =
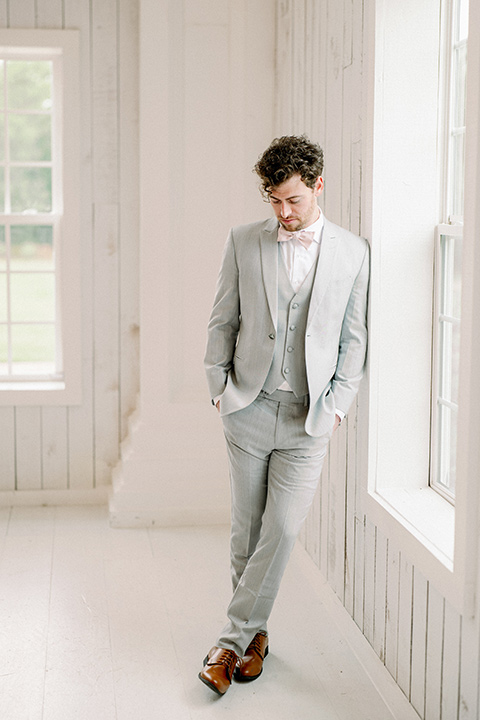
x=107 y=624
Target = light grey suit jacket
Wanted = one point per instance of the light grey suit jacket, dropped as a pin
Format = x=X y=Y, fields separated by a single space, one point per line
x=242 y=327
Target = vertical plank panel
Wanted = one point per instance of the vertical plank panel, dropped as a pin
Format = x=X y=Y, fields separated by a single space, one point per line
x=105 y=97
x=351 y=507
x=21 y=14
x=310 y=70
x=28 y=448
x=54 y=448
x=106 y=342
x=405 y=626
x=369 y=606
x=336 y=535
x=352 y=116
x=393 y=589
x=319 y=75
x=80 y=418
x=284 y=110
x=298 y=64
x=359 y=574
x=3 y=13
x=7 y=449
x=105 y=187
x=48 y=14
x=419 y=642
x=434 y=655
x=333 y=140
x=451 y=662
x=128 y=53
x=379 y=628
x=469 y=663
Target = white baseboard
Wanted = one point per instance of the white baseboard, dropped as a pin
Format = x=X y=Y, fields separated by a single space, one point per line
x=95 y=496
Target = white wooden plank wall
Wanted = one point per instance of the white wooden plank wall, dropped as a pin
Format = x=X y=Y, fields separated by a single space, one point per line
x=428 y=648
x=77 y=447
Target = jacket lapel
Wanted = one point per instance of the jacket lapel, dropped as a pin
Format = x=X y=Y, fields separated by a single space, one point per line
x=323 y=273
x=269 y=260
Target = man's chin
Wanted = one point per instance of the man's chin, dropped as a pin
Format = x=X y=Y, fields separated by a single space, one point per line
x=292 y=226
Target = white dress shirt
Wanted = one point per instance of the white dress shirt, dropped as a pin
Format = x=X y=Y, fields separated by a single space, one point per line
x=298 y=262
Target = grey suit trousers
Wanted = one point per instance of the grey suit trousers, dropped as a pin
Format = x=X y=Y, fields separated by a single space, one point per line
x=274 y=472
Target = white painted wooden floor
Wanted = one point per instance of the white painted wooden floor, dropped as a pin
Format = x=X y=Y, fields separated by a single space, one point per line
x=104 y=624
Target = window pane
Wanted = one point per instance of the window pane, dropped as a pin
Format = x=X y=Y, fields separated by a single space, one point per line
x=32 y=344
x=460 y=86
x=31 y=189
x=449 y=361
x=29 y=84
x=33 y=297
x=458 y=165
x=2 y=137
x=447 y=447
x=2 y=189
x=2 y=84
x=31 y=247
x=3 y=349
x=3 y=249
x=3 y=297
x=30 y=138
x=462 y=25
x=451 y=276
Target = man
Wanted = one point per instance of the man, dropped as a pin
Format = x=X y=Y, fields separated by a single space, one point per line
x=285 y=354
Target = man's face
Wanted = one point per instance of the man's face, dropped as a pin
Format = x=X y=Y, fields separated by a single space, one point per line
x=295 y=204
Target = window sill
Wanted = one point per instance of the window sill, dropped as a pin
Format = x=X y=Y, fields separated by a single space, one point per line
x=421 y=523
x=38 y=392
x=426 y=515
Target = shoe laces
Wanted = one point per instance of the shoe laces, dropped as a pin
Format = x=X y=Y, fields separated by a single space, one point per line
x=255 y=645
x=227 y=658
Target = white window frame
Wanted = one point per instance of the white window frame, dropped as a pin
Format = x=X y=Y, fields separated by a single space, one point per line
x=63 y=388
x=399 y=214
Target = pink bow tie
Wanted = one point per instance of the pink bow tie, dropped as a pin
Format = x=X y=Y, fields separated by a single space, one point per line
x=306 y=237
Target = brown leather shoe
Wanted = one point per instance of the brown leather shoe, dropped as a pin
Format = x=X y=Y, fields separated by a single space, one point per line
x=218 y=669
x=251 y=665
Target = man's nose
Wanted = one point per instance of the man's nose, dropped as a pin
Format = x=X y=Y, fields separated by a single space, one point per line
x=286 y=210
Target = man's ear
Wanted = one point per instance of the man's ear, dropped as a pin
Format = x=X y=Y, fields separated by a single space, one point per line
x=318 y=188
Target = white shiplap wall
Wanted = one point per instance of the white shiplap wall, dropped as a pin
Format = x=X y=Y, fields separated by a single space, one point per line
x=427 y=646
x=74 y=449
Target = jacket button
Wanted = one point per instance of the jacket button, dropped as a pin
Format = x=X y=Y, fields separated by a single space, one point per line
x=271 y=336
x=289 y=348
x=295 y=306
x=292 y=327
x=287 y=370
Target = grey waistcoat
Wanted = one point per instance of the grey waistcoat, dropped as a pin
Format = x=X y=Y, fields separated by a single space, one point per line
x=289 y=355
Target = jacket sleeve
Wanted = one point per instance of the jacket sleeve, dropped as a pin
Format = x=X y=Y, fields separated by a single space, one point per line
x=224 y=322
x=352 y=349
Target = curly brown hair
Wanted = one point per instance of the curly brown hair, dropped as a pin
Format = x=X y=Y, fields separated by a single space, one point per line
x=287 y=156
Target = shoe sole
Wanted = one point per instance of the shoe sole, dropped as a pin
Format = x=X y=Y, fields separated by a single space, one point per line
x=242 y=678
x=210 y=685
